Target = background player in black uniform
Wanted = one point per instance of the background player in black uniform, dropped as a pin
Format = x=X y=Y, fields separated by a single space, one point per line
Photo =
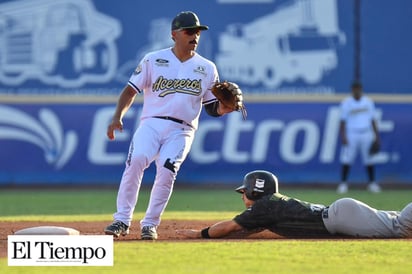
x=291 y=217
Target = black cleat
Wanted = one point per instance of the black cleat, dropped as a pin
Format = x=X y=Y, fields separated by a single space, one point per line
x=149 y=233
x=116 y=229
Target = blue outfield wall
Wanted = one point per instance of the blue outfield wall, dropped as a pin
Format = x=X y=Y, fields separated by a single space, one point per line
x=67 y=143
x=63 y=63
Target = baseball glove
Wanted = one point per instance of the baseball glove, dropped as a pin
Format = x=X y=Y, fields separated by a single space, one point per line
x=230 y=95
x=375 y=147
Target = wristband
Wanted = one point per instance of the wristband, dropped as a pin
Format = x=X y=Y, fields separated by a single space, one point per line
x=205 y=233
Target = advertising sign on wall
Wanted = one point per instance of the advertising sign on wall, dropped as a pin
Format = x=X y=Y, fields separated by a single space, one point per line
x=67 y=143
x=63 y=63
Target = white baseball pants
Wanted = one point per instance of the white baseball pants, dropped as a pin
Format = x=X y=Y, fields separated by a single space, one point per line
x=165 y=142
x=358 y=142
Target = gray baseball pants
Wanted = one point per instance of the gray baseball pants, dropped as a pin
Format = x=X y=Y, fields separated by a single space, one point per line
x=351 y=217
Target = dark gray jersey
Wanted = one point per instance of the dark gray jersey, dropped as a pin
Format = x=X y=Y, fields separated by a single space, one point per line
x=284 y=216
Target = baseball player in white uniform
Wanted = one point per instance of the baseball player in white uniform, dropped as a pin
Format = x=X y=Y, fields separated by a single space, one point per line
x=358 y=128
x=175 y=82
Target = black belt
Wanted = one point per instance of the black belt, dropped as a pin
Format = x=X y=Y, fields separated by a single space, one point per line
x=325 y=213
x=173 y=119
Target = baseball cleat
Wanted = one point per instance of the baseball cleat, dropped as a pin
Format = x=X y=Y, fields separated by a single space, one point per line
x=149 y=233
x=342 y=188
x=374 y=188
x=116 y=229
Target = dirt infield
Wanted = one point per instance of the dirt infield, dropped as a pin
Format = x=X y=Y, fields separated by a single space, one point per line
x=166 y=231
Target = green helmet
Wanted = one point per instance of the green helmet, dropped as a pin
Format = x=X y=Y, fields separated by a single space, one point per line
x=258 y=183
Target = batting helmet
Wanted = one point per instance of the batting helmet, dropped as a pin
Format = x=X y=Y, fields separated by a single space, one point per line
x=258 y=183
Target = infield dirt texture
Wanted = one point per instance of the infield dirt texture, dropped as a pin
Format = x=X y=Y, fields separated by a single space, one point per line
x=166 y=232
x=40 y=206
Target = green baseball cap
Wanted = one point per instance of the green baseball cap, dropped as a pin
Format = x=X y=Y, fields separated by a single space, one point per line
x=187 y=20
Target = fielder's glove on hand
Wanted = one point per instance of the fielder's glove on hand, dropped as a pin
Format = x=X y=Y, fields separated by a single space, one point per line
x=230 y=95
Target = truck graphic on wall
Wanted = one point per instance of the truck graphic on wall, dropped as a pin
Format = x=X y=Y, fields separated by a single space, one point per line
x=64 y=42
x=298 y=40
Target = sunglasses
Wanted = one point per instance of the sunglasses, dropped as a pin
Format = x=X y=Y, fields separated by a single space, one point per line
x=191 y=31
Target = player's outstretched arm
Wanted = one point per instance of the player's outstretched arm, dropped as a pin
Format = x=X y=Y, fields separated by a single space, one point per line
x=217 y=230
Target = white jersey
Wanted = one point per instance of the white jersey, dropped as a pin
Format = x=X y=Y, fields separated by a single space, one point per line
x=174 y=88
x=358 y=114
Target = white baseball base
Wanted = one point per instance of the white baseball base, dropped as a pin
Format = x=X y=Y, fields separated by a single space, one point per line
x=47 y=230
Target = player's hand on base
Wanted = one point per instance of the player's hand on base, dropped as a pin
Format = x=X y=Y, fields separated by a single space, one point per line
x=114 y=125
